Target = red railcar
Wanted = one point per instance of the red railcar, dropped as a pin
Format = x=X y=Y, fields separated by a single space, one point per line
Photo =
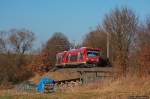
x=79 y=57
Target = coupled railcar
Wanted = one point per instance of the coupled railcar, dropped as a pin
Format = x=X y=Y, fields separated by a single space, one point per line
x=87 y=57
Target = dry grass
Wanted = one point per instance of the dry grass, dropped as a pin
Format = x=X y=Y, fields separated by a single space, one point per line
x=118 y=89
x=110 y=89
x=65 y=95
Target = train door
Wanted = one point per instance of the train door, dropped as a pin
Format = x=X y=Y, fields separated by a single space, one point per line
x=80 y=56
x=59 y=59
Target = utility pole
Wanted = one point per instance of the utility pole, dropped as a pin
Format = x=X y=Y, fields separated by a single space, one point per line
x=74 y=44
x=108 y=47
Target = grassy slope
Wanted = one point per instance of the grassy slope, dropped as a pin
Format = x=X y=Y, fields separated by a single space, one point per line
x=57 y=75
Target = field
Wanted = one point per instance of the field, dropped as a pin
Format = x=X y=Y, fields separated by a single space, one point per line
x=120 y=89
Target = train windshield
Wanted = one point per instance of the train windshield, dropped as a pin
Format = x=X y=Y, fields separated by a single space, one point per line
x=93 y=53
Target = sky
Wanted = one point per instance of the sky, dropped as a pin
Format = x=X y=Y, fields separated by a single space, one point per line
x=74 y=18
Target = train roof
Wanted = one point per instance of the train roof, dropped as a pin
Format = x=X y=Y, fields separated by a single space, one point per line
x=79 y=49
x=82 y=48
x=90 y=48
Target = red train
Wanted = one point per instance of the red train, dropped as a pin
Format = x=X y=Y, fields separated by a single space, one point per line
x=89 y=57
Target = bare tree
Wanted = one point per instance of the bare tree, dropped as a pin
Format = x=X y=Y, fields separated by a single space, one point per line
x=121 y=25
x=96 y=39
x=57 y=43
x=21 y=40
x=143 y=53
x=144 y=33
x=13 y=47
x=3 y=41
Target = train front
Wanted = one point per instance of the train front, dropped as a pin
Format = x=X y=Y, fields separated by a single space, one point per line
x=93 y=57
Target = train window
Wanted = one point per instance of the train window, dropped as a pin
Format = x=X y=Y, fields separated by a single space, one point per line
x=73 y=58
x=92 y=53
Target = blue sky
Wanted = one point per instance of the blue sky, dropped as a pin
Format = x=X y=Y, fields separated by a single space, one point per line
x=74 y=18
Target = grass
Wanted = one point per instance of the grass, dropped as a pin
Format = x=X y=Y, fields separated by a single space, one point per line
x=63 y=95
x=118 y=89
x=75 y=95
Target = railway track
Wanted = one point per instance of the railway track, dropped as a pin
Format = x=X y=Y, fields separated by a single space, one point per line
x=100 y=68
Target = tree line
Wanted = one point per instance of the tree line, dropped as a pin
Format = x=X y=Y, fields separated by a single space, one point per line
x=15 y=48
x=128 y=38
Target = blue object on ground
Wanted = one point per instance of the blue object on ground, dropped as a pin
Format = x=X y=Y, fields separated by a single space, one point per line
x=43 y=81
